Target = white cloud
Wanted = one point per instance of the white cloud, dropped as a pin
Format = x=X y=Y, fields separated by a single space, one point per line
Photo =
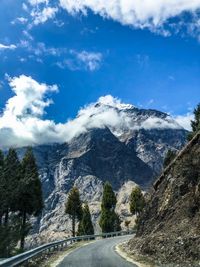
x=37 y=2
x=22 y=121
x=41 y=16
x=82 y=60
x=24 y=7
x=185 y=120
x=137 y=13
x=21 y=20
x=40 y=49
x=9 y=47
x=91 y=60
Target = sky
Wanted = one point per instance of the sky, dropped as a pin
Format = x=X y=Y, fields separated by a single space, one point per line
x=59 y=56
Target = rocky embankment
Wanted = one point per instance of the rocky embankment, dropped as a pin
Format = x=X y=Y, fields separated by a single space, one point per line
x=169 y=228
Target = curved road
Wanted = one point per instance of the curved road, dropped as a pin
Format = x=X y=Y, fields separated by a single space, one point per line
x=101 y=253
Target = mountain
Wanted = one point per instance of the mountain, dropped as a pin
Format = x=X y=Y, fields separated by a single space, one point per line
x=107 y=141
x=169 y=229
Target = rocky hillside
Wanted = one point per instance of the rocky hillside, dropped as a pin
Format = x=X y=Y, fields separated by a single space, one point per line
x=169 y=229
x=126 y=148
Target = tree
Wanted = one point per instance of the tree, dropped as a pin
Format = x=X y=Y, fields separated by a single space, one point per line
x=109 y=220
x=2 y=187
x=73 y=207
x=9 y=236
x=137 y=201
x=195 y=124
x=9 y=223
x=170 y=155
x=10 y=182
x=85 y=225
x=30 y=200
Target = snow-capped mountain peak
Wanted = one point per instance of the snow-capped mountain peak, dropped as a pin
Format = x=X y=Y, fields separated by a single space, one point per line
x=113 y=102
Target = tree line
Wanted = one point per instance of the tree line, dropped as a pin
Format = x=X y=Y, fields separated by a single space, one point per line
x=20 y=197
x=109 y=219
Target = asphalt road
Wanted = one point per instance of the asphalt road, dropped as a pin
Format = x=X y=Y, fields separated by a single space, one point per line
x=101 y=253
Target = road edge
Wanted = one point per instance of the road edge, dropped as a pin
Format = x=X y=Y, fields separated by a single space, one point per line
x=127 y=257
x=61 y=257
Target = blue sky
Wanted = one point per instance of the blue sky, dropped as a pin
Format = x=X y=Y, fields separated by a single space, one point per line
x=89 y=49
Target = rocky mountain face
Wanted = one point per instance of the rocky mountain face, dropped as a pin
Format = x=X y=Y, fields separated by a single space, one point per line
x=169 y=229
x=121 y=144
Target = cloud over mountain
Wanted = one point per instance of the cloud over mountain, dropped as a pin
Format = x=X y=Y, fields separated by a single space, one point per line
x=22 y=121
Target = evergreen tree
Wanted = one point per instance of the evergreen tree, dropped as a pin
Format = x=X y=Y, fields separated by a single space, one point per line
x=10 y=181
x=9 y=226
x=2 y=187
x=9 y=237
x=73 y=207
x=117 y=222
x=30 y=200
x=137 y=201
x=85 y=225
x=168 y=158
x=109 y=220
x=195 y=124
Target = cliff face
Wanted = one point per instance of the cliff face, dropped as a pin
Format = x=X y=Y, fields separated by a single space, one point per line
x=169 y=228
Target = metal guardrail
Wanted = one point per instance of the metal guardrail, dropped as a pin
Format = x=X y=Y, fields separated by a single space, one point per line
x=28 y=255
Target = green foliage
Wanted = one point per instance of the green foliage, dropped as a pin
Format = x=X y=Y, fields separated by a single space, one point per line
x=109 y=220
x=195 y=124
x=20 y=197
x=137 y=201
x=85 y=225
x=168 y=158
x=9 y=236
x=2 y=187
x=9 y=222
x=11 y=177
x=30 y=190
x=29 y=197
x=73 y=207
x=109 y=199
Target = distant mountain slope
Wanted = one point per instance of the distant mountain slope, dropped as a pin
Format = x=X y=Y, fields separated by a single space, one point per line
x=170 y=225
x=110 y=141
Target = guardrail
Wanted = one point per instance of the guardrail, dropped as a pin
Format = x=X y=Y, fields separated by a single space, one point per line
x=57 y=245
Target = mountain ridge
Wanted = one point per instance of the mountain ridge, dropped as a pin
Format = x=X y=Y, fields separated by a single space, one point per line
x=98 y=154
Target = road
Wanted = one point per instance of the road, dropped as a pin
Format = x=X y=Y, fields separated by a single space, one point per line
x=100 y=253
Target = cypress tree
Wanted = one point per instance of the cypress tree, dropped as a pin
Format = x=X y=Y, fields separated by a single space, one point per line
x=73 y=207
x=9 y=236
x=30 y=200
x=85 y=225
x=109 y=220
x=195 y=124
x=2 y=187
x=137 y=201
x=11 y=177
